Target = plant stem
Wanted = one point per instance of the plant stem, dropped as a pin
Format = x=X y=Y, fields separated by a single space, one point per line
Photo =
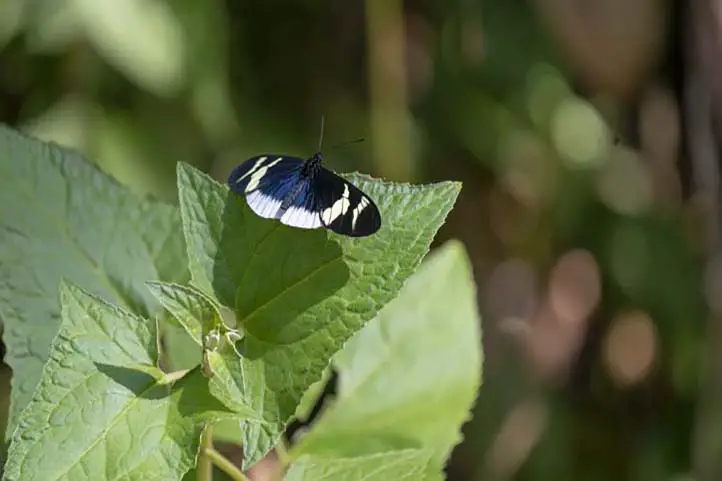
x=225 y=465
x=282 y=453
x=204 y=470
x=390 y=140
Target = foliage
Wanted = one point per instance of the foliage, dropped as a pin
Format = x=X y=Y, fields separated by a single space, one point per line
x=408 y=378
x=297 y=295
x=573 y=130
x=62 y=218
x=316 y=290
x=103 y=406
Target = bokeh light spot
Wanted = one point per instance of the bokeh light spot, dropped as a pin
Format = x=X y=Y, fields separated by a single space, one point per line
x=579 y=133
x=630 y=348
x=624 y=184
x=574 y=287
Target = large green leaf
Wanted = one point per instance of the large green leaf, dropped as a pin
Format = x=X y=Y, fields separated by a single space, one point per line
x=299 y=294
x=62 y=218
x=406 y=465
x=410 y=377
x=103 y=408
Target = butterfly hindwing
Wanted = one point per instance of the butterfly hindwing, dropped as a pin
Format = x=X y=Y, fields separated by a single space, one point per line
x=302 y=210
x=343 y=208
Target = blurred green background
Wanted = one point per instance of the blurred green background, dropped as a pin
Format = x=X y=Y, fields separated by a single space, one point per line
x=593 y=246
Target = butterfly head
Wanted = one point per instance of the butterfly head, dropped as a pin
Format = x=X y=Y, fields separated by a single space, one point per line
x=312 y=164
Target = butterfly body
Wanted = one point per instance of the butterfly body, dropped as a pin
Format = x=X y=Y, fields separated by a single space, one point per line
x=309 y=171
x=302 y=193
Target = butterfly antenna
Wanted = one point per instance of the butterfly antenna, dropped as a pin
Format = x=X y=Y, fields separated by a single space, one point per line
x=320 y=137
x=344 y=144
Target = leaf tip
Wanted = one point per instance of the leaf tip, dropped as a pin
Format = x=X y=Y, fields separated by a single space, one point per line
x=188 y=175
x=453 y=254
x=69 y=290
x=182 y=167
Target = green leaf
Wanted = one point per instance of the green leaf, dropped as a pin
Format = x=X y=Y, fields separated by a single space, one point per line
x=180 y=352
x=423 y=354
x=199 y=315
x=190 y=307
x=406 y=465
x=228 y=431
x=103 y=408
x=62 y=218
x=223 y=385
x=300 y=294
x=312 y=396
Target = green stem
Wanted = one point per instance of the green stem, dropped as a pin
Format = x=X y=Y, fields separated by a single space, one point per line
x=225 y=465
x=390 y=142
x=282 y=453
x=204 y=470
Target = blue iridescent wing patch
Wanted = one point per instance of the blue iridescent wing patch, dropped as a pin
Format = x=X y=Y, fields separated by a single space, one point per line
x=264 y=171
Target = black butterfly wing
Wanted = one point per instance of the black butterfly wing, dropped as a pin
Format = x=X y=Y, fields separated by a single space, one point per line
x=342 y=206
x=267 y=180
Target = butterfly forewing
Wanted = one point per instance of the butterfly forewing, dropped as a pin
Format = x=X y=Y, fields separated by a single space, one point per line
x=264 y=171
x=275 y=189
x=343 y=208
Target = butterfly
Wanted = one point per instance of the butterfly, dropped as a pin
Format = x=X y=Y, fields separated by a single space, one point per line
x=302 y=193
